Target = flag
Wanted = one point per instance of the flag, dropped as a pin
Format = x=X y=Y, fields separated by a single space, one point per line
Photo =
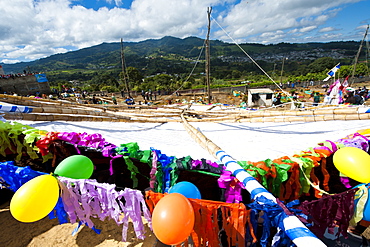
x=344 y=84
x=332 y=72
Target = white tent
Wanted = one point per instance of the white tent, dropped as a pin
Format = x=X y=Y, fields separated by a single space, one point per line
x=260 y=97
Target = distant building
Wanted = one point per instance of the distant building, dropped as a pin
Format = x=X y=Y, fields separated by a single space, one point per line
x=260 y=97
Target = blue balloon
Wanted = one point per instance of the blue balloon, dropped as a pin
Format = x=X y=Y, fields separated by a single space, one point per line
x=186 y=189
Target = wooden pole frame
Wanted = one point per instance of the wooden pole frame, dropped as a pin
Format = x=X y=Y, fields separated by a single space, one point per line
x=208 y=66
x=124 y=71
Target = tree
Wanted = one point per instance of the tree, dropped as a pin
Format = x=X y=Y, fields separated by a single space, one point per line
x=163 y=80
x=321 y=64
x=104 y=79
x=109 y=89
x=361 y=69
x=346 y=70
x=134 y=74
x=134 y=77
x=236 y=74
x=91 y=88
x=63 y=84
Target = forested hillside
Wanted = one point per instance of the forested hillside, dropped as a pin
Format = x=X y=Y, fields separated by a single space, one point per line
x=176 y=58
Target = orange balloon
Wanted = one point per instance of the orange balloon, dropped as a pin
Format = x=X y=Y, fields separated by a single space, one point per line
x=173 y=219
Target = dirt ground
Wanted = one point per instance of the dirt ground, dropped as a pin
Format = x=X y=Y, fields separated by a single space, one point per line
x=48 y=232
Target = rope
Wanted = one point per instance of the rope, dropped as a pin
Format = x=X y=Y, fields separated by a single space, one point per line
x=251 y=58
x=192 y=71
x=367 y=55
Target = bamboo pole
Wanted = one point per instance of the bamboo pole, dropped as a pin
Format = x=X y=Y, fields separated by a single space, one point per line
x=315 y=118
x=173 y=114
x=60 y=117
x=27 y=101
x=208 y=58
x=31 y=100
x=346 y=110
x=201 y=139
x=64 y=110
x=267 y=113
x=70 y=115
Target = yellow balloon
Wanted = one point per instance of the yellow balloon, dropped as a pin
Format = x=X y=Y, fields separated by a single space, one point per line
x=35 y=199
x=354 y=163
x=364 y=132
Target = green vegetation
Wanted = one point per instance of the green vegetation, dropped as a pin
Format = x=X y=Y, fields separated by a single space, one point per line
x=165 y=64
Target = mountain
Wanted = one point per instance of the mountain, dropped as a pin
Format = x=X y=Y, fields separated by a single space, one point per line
x=175 y=55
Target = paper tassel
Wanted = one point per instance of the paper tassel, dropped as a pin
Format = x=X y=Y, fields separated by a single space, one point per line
x=234 y=217
x=330 y=211
x=84 y=199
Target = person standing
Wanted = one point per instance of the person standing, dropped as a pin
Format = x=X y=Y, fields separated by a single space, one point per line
x=278 y=99
x=114 y=99
x=94 y=100
x=327 y=99
x=316 y=99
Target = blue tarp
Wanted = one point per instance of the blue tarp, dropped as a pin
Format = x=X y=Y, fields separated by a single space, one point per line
x=41 y=78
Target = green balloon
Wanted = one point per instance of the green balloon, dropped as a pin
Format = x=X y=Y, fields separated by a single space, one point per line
x=75 y=166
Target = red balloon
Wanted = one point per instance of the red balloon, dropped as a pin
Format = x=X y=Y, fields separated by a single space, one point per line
x=173 y=219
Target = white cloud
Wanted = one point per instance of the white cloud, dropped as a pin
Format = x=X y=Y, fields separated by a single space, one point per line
x=363 y=27
x=271 y=37
x=332 y=36
x=326 y=29
x=31 y=52
x=10 y=61
x=249 y=18
x=37 y=28
x=307 y=29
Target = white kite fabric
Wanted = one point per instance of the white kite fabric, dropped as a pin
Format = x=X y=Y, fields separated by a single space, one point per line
x=242 y=141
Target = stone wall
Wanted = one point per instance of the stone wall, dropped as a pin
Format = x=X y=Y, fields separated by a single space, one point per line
x=24 y=85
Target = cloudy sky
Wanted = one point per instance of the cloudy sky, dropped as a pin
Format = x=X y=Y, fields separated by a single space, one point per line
x=32 y=29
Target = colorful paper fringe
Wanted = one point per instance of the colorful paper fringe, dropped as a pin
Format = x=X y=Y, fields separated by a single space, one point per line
x=330 y=212
x=84 y=199
x=286 y=178
x=207 y=214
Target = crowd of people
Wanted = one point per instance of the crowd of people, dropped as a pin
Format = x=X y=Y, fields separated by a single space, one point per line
x=85 y=97
x=13 y=76
x=357 y=97
x=81 y=97
x=348 y=96
x=149 y=95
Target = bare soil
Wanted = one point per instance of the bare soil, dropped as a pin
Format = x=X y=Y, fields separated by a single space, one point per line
x=48 y=232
